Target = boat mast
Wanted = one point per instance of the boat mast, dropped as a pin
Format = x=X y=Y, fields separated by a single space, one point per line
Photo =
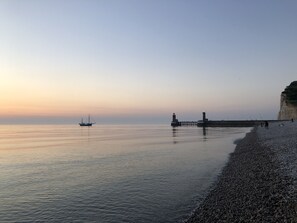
x=89 y=119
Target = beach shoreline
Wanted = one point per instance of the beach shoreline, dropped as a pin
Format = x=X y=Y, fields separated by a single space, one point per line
x=258 y=182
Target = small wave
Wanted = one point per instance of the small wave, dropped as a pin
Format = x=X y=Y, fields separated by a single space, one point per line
x=236 y=141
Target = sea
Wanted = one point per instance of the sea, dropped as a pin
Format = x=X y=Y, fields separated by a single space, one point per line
x=109 y=173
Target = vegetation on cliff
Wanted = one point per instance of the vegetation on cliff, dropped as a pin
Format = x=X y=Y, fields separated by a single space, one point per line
x=291 y=93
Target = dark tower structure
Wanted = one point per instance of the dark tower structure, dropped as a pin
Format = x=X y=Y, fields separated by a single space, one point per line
x=174 y=117
x=174 y=122
x=203 y=116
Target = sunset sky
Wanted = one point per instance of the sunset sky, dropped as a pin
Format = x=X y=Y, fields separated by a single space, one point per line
x=141 y=60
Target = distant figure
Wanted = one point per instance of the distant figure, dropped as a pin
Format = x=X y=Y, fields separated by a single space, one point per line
x=261 y=124
x=266 y=124
x=292 y=120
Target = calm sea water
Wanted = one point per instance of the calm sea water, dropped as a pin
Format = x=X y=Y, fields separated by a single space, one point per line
x=108 y=173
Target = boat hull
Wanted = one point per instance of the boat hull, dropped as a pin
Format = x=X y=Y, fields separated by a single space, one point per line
x=85 y=124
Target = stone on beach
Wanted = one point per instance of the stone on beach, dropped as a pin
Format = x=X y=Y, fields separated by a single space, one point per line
x=259 y=182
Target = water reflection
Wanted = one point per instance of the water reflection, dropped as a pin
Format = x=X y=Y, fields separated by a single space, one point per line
x=85 y=133
x=204 y=133
x=122 y=174
x=174 y=134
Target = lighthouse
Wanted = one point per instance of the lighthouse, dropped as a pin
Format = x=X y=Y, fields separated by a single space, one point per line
x=174 y=121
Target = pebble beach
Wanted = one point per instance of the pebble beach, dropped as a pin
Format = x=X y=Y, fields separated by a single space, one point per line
x=259 y=182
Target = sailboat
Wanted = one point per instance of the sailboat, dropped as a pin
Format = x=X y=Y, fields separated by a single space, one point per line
x=89 y=123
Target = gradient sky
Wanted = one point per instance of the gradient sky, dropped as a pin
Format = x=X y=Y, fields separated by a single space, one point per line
x=141 y=60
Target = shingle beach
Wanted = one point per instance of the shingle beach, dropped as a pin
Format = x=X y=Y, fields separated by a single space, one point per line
x=259 y=182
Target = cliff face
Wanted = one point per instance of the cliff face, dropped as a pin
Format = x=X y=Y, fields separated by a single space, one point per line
x=288 y=103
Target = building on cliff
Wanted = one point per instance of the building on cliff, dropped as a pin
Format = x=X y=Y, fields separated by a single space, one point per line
x=288 y=102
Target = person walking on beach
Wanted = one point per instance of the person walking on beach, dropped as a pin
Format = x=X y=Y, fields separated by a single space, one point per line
x=266 y=124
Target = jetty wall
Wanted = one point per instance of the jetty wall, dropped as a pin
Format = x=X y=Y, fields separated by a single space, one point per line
x=218 y=123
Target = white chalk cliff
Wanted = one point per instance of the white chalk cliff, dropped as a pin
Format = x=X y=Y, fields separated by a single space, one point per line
x=288 y=103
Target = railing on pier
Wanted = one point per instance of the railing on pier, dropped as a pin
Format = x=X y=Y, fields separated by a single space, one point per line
x=184 y=123
x=188 y=123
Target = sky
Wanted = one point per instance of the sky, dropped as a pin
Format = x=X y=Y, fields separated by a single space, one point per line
x=134 y=61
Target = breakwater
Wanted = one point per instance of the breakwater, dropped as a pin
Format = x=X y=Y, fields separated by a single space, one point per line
x=219 y=123
x=233 y=123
